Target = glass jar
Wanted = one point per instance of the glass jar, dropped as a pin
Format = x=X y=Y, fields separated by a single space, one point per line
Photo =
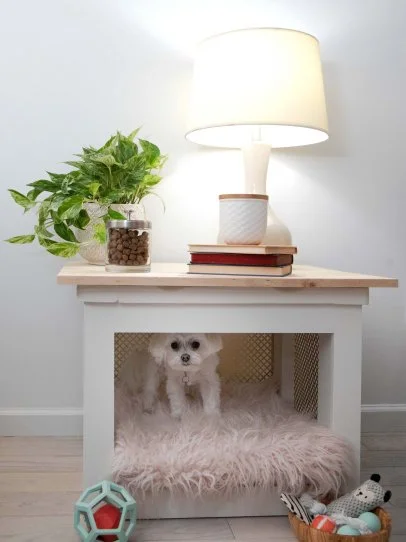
x=128 y=246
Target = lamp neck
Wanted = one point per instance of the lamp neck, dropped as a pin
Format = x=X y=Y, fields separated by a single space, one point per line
x=256 y=159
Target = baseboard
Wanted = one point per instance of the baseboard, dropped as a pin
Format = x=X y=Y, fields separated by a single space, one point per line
x=16 y=422
x=36 y=422
x=383 y=418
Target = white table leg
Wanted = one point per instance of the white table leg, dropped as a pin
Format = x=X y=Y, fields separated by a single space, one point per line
x=340 y=363
x=98 y=400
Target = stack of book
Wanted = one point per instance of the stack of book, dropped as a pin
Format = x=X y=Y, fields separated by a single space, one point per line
x=257 y=260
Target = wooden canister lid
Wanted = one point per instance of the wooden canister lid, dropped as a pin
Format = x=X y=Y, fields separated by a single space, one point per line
x=243 y=196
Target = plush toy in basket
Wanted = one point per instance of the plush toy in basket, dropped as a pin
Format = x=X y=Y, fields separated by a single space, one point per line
x=354 y=514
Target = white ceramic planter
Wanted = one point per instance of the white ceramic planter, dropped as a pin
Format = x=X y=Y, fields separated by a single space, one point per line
x=91 y=250
x=243 y=218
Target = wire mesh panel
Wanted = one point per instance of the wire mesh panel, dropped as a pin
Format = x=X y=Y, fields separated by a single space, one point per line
x=124 y=345
x=306 y=372
x=244 y=358
x=247 y=357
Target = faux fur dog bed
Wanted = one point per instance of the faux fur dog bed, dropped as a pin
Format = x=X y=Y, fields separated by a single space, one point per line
x=258 y=442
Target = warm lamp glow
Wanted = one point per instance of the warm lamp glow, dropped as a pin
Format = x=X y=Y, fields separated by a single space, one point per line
x=259 y=84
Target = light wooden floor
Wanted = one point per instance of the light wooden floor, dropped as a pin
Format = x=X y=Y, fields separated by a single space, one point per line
x=40 y=479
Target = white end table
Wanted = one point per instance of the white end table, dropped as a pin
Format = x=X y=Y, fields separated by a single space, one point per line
x=311 y=300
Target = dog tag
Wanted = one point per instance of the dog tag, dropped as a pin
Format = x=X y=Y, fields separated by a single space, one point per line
x=185 y=379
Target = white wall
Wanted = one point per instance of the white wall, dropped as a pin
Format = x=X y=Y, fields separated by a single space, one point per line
x=74 y=71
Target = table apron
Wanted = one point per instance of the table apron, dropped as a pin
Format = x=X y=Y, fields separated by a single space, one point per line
x=218 y=296
x=139 y=318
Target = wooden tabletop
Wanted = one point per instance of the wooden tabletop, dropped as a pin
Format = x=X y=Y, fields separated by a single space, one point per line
x=175 y=274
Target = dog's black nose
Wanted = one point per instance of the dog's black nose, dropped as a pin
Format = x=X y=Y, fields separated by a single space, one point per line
x=185 y=358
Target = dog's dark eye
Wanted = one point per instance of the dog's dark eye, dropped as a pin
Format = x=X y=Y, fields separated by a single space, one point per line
x=195 y=345
x=175 y=345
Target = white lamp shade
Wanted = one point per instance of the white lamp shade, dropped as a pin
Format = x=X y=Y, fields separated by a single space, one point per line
x=258 y=84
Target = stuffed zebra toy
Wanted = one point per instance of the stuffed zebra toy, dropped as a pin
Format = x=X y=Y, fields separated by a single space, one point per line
x=297 y=508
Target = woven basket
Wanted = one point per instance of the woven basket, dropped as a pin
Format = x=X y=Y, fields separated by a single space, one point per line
x=305 y=533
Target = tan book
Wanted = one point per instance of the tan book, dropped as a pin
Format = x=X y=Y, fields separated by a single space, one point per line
x=244 y=249
x=250 y=270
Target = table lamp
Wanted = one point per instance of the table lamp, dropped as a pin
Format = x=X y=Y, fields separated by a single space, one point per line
x=255 y=89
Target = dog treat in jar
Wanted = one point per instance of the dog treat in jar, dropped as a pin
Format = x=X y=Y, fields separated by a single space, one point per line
x=128 y=246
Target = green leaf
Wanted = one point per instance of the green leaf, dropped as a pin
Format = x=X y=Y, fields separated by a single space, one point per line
x=108 y=143
x=116 y=196
x=71 y=207
x=64 y=232
x=99 y=233
x=44 y=211
x=65 y=250
x=56 y=201
x=33 y=194
x=55 y=217
x=74 y=163
x=107 y=160
x=115 y=215
x=125 y=149
x=136 y=164
x=41 y=232
x=44 y=185
x=152 y=152
x=82 y=220
x=133 y=134
x=66 y=185
x=94 y=188
x=22 y=200
x=151 y=180
x=89 y=150
x=21 y=239
x=45 y=242
x=57 y=178
x=163 y=158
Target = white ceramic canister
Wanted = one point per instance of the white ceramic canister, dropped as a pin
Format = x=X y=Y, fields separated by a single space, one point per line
x=243 y=218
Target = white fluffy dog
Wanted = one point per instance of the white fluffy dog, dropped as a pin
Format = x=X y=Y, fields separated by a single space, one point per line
x=185 y=359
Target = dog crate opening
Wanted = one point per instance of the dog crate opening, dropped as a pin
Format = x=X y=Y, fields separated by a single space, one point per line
x=256 y=441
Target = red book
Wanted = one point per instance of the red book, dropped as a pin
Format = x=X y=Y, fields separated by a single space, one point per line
x=266 y=260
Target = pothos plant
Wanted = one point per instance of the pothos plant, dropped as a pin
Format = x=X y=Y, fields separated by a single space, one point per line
x=124 y=170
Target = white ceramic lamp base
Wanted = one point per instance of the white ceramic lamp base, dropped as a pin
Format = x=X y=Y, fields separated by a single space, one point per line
x=256 y=160
x=277 y=233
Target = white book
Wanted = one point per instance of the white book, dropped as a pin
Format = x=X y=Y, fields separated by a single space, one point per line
x=249 y=270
